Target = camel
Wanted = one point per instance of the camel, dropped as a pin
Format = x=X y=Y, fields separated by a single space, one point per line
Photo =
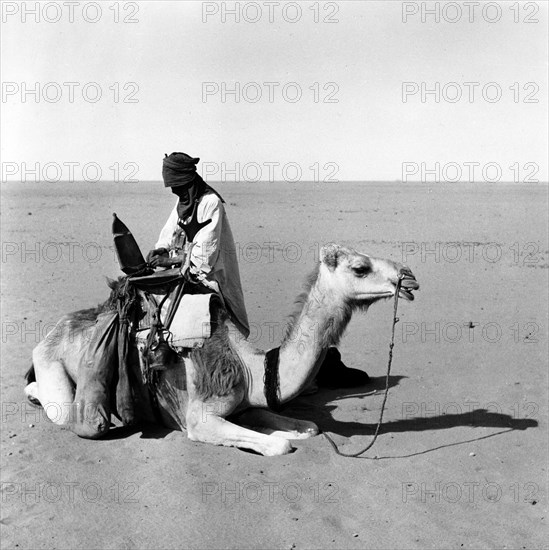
x=216 y=393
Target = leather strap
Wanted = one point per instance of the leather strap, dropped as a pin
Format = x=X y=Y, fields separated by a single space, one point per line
x=271 y=380
x=176 y=299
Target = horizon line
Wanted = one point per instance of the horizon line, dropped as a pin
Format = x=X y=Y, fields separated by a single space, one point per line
x=219 y=182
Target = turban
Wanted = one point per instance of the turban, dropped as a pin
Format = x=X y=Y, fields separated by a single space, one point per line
x=179 y=169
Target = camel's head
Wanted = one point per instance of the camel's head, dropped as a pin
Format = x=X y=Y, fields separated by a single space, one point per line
x=363 y=279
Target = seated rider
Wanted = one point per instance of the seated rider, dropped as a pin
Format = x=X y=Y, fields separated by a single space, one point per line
x=212 y=258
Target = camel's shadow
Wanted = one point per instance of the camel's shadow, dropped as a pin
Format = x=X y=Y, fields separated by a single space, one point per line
x=146 y=429
x=319 y=407
x=310 y=407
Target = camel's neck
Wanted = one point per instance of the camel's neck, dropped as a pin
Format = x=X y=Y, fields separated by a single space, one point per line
x=318 y=325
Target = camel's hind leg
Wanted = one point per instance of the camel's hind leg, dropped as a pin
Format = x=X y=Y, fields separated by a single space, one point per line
x=266 y=421
x=53 y=388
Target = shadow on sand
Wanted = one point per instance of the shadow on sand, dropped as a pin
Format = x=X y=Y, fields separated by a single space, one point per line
x=319 y=408
x=147 y=431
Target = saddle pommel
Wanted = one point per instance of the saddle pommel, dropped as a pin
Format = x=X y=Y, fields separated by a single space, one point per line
x=127 y=250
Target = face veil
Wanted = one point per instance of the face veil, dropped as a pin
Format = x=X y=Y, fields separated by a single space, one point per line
x=179 y=173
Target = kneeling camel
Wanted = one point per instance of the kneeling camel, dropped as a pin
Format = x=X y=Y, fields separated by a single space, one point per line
x=225 y=378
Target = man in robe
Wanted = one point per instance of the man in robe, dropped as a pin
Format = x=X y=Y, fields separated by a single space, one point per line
x=213 y=259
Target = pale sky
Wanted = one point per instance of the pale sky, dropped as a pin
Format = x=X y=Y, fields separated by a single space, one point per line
x=176 y=50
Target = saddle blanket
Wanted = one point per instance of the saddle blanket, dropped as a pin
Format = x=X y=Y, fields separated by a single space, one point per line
x=191 y=324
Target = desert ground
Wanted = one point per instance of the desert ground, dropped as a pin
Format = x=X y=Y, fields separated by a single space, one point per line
x=461 y=461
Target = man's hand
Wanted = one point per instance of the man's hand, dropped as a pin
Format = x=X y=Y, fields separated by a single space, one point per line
x=161 y=261
x=156 y=252
x=165 y=261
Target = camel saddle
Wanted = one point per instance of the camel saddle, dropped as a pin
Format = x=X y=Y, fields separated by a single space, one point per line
x=171 y=302
x=182 y=309
x=175 y=310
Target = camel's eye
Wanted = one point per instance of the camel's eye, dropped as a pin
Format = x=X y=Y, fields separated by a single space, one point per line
x=361 y=270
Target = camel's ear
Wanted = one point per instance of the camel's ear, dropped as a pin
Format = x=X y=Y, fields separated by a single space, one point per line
x=113 y=284
x=329 y=255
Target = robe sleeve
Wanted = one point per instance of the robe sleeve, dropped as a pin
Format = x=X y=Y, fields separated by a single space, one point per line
x=205 y=251
x=165 y=240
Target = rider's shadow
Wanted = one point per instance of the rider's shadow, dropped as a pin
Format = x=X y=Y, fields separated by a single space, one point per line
x=319 y=407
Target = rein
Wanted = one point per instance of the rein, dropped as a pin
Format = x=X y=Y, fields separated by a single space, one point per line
x=391 y=346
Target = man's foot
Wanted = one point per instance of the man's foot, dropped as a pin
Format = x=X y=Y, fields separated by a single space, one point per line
x=334 y=374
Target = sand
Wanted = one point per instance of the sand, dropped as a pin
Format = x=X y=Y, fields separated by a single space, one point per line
x=462 y=457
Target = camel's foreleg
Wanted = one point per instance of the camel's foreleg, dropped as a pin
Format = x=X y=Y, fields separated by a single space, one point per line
x=206 y=425
x=267 y=422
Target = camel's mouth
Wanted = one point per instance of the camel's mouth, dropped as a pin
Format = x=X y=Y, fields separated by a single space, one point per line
x=406 y=294
x=407 y=285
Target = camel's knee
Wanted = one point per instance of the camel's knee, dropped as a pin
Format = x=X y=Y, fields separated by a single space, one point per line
x=92 y=420
x=191 y=423
x=203 y=423
x=194 y=424
x=203 y=417
x=58 y=413
x=92 y=431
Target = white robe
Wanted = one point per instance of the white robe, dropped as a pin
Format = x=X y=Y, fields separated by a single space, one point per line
x=214 y=259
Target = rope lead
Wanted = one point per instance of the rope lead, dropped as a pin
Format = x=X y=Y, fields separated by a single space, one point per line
x=391 y=346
